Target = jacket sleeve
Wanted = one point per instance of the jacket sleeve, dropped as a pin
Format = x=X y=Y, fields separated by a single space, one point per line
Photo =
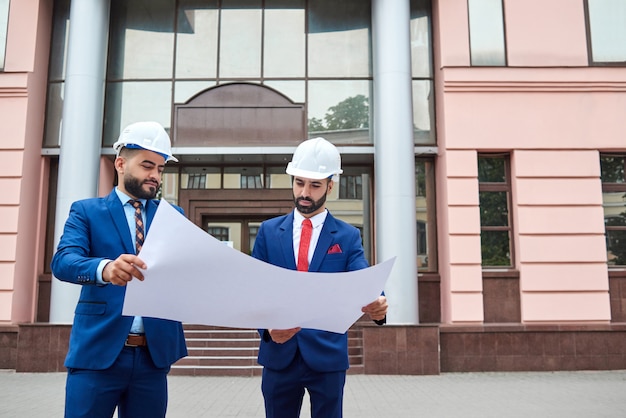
x=72 y=261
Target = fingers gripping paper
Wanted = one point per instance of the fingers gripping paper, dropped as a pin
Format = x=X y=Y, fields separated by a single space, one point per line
x=194 y=278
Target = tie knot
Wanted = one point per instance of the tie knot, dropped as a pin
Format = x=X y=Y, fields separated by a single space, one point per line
x=306 y=223
x=135 y=203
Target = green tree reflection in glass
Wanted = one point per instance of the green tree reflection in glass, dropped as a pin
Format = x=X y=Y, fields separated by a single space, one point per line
x=613 y=181
x=612 y=169
x=351 y=113
x=616 y=239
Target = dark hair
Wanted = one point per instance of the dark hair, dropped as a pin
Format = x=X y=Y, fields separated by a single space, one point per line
x=128 y=152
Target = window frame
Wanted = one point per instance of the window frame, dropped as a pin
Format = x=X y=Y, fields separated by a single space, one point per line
x=612 y=187
x=498 y=187
x=5 y=8
x=429 y=196
x=590 y=47
x=472 y=53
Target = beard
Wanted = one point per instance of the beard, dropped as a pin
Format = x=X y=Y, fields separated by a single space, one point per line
x=134 y=187
x=315 y=205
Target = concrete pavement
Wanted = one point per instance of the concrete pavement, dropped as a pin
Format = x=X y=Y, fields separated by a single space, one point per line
x=587 y=394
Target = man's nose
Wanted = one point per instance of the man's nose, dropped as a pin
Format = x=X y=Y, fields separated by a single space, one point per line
x=155 y=173
x=306 y=191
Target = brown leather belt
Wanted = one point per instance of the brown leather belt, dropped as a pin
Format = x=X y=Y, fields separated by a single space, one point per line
x=135 y=340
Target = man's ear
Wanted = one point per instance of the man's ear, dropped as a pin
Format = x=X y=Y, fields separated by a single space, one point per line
x=330 y=185
x=119 y=164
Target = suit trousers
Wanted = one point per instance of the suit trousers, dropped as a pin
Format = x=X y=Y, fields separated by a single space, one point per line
x=133 y=384
x=283 y=391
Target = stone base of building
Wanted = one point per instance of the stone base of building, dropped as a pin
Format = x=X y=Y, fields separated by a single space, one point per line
x=400 y=350
x=546 y=347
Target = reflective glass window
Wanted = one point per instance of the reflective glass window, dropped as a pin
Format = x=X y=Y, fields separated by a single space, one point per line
x=423 y=112
x=185 y=90
x=426 y=220
x=293 y=89
x=486 y=27
x=58 y=46
x=284 y=39
x=141 y=44
x=339 y=39
x=54 y=115
x=339 y=110
x=494 y=191
x=130 y=102
x=612 y=169
x=196 y=39
x=240 y=38
x=607 y=30
x=4 y=26
x=421 y=51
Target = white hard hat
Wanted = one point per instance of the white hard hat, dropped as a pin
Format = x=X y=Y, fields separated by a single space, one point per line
x=315 y=159
x=146 y=135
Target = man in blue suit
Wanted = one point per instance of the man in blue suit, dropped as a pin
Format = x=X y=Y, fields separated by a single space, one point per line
x=115 y=360
x=298 y=359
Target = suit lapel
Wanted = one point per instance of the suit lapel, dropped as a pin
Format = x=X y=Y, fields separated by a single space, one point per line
x=119 y=220
x=286 y=241
x=323 y=243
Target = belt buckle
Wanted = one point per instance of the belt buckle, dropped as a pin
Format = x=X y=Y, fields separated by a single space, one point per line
x=127 y=344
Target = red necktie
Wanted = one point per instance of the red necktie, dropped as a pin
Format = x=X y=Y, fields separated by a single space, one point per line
x=305 y=240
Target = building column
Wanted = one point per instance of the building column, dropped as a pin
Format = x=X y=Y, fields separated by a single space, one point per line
x=81 y=131
x=394 y=158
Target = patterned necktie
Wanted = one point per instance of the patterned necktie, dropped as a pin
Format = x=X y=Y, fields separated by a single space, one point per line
x=139 y=232
x=305 y=240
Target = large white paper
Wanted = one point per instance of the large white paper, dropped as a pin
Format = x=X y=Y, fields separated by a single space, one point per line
x=194 y=278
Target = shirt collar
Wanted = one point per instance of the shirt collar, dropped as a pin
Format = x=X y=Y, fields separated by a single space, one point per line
x=316 y=220
x=124 y=198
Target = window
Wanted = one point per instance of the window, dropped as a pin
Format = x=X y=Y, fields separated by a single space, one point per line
x=196 y=181
x=251 y=182
x=4 y=25
x=218 y=232
x=486 y=26
x=425 y=215
x=253 y=231
x=614 y=205
x=607 y=31
x=494 y=190
x=197 y=177
x=350 y=187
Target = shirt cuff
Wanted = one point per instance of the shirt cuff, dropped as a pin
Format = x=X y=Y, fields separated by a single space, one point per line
x=99 y=270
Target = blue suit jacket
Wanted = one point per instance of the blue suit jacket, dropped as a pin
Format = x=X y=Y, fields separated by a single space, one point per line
x=97 y=229
x=322 y=351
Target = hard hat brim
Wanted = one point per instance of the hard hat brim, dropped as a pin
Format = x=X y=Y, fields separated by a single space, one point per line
x=121 y=144
x=313 y=175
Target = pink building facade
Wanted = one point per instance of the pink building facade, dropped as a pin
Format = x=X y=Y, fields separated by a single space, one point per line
x=542 y=111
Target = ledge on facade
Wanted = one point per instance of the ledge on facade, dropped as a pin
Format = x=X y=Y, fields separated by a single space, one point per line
x=617 y=273
x=500 y=274
x=7 y=328
x=535 y=327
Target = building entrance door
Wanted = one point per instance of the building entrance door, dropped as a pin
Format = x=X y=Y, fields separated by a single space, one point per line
x=238 y=233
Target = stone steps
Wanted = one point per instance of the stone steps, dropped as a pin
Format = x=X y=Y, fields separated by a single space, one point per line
x=217 y=351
